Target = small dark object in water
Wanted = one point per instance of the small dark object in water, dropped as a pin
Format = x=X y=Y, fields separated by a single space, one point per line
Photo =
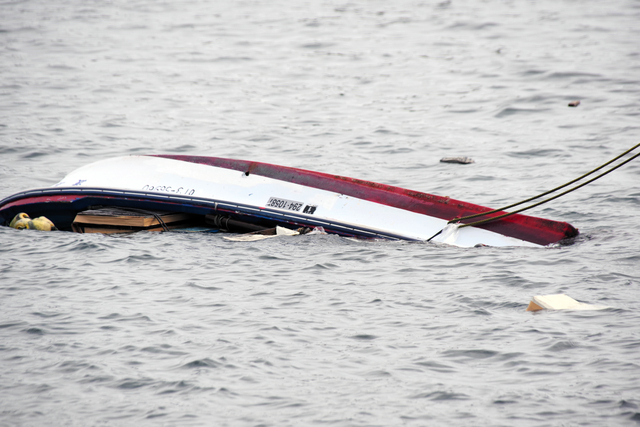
x=574 y=103
x=459 y=160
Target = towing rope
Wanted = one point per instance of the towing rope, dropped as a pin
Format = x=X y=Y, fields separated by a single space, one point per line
x=495 y=218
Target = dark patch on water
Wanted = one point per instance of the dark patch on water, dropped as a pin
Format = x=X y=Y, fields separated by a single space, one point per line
x=364 y=337
x=511 y=111
x=470 y=354
x=436 y=366
x=563 y=346
x=130 y=384
x=202 y=363
x=204 y=288
x=441 y=396
x=47 y=315
x=10 y=325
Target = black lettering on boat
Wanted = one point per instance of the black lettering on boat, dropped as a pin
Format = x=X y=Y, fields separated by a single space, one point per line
x=309 y=209
x=168 y=189
x=289 y=205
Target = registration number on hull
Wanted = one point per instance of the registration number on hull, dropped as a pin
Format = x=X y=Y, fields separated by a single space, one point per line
x=290 y=205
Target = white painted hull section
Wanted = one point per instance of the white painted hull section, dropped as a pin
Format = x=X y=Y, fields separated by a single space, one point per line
x=161 y=176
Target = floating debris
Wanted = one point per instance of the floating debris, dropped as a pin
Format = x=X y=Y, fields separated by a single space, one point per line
x=559 y=302
x=274 y=232
x=22 y=221
x=252 y=237
x=108 y=220
x=574 y=103
x=459 y=160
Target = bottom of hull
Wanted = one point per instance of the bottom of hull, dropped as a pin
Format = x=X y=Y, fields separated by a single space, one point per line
x=269 y=195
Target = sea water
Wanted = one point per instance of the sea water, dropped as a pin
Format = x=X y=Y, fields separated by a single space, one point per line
x=184 y=329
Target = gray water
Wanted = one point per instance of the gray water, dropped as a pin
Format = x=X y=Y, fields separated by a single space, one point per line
x=192 y=330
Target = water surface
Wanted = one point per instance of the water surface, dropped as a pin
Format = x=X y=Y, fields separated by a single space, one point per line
x=176 y=329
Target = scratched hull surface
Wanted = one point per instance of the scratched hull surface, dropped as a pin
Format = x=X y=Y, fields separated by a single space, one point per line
x=190 y=330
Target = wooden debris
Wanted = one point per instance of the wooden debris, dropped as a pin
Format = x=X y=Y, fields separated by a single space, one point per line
x=120 y=220
x=459 y=160
x=574 y=103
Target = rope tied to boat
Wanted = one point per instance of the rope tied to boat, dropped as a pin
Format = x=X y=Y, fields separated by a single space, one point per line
x=458 y=221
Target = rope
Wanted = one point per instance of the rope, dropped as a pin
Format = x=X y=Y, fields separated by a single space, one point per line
x=495 y=218
x=144 y=211
x=483 y=221
x=553 y=190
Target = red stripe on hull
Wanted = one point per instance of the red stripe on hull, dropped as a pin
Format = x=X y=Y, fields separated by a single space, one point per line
x=42 y=199
x=532 y=229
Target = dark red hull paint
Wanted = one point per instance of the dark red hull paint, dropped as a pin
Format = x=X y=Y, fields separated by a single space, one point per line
x=42 y=199
x=532 y=229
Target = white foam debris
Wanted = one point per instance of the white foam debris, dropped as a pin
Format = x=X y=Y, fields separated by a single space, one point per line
x=280 y=231
x=559 y=302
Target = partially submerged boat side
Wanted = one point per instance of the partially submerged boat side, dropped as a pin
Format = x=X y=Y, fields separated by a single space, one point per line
x=270 y=195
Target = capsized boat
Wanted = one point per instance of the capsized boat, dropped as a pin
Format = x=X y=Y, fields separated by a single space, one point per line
x=264 y=195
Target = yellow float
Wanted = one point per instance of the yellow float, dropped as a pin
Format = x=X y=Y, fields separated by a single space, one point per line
x=22 y=221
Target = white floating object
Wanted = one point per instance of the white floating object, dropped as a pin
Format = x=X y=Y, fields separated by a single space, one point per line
x=247 y=237
x=559 y=302
x=280 y=231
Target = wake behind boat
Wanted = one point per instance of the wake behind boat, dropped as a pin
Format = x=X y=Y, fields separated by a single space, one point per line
x=260 y=195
